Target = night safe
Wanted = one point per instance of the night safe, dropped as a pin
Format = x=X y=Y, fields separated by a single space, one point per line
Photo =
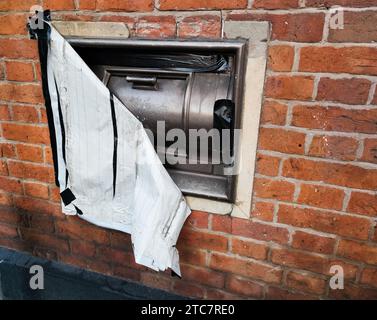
x=186 y=84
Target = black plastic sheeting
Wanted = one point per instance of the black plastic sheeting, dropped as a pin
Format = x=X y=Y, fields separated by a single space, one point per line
x=63 y=282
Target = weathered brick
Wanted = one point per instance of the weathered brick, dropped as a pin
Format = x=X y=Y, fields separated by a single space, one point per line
x=280 y=58
x=198 y=4
x=273 y=113
x=8 y=150
x=369 y=277
x=370 y=150
x=30 y=171
x=358 y=27
x=274 y=293
x=18 y=48
x=363 y=203
x=335 y=119
x=249 y=249
x=344 y=3
x=83 y=248
x=121 y=240
x=358 y=251
x=221 y=223
x=244 y=287
x=247 y=268
x=343 y=225
x=13 y=24
x=349 y=91
x=26 y=133
x=124 y=5
x=281 y=140
x=274 y=189
x=8 y=232
x=188 y=289
x=37 y=206
x=333 y=147
x=88 y=264
x=27 y=93
x=25 y=114
x=44 y=240
x=355 y=60
x=9 y=215
x=203 y=240
x=42 y=223
x=320 y=196
x=59 y=4
x=203 y=276
x=156 y=27
x=29 y=153
x=204 y=26
x=263 y=210
x=11 y=185
x=259 y=231
x=352 y=292
x=300 y=27
x=198 y=219
x=19 y=71
x=192 y=256
x=333 y=173
x=289 y=87
x=36 y=190
x=311 y=242
x=156 y=281
x=273 y=4
x=23 y=5
x=306 y=283
x=4 y=112
x=267 y=165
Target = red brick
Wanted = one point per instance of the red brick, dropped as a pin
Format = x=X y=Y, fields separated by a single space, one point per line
x=83 y=248
x=29 y=153
x=8 y=232
x=273 y=4
x=6 y=199
x=310 y=262
x=369 y=277
x=48 y=155
x=3 y=168
x=198 y=219
x=281 y=140
x=25 y=114
x=198 y=4
x=19 y=71
x=42 y=223
x=76 y=16
x=129 y=21
x=127 y=273
x=333 y=147
x=192 y=256
x=363 y=203
x=44 y=240
x=124 y=5
x=352 y=292
x=88 y=264
x=370 y=151
x=280 y=58
x=37 y=205
x=15 y=49
x=358 y=251
x=26 y=133
x=274 y=293
x=289 y=87
x=335 y=119
x=13 y=24
x=300 y=27
x=215 y=294
x=23 y=5
x=358 y=27
x=30 y=171
x=204 y=26
x=355 y=60
x=305 y=283
x=203 y=240
x=78 y=230
x=87 y=5
x=274 y=189
x=244 y=287
x=9 y=215
x=259 y=231
x=221 y=223
x=117 y=257
x=4 y=112
x=8 y=150
x=315 y=243
x=320 y=196
x=156 y=27
x=350 y=91
x=343 y=225
x=36 y=190
x=247 y=268
x=156 y=280
x=263 y=210
x=45 y=253
x=121 y=240
x=344 y=3
x=273 y=113
x=203 y=276
x=59 y=4
x=28 y=93
x=188 y=289
x=249 y=249
x=267 y=165
x=339 y=174
x=10 y=185
x=55 y=194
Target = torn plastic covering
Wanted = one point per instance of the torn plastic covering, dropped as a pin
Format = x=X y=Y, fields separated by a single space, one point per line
x=108 y=170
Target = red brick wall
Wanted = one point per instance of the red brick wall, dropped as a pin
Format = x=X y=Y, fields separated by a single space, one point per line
x=314 y=204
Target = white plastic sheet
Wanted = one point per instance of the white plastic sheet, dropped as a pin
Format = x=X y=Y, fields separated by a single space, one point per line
x=143 y=200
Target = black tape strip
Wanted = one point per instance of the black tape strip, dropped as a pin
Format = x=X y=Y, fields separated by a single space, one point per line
x=79 y=212
x=115 y=155
x=67 y=196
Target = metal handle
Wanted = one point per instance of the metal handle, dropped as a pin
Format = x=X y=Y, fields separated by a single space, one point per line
x=143 y=82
